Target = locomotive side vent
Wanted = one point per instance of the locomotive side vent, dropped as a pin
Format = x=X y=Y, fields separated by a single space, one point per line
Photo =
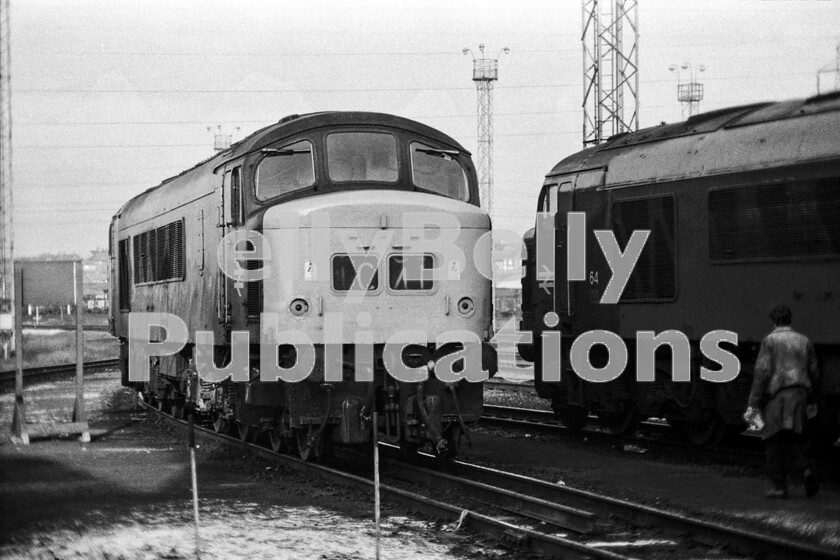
x=654 y=277
x=254 y=293
x=783 y=221
x=124 y=278
x=159 y=254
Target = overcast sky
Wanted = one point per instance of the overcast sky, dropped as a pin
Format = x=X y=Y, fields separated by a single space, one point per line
x=109 y=98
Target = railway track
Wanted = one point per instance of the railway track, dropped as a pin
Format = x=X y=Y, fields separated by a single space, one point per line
x=531 y=515
x=44 y=373
x=509 y=533
x=748 y=452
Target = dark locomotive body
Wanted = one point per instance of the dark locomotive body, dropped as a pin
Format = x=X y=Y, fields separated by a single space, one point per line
x=363 y=172
x=743 y=206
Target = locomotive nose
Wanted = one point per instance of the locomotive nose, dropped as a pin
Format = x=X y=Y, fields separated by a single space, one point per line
x=378 y=262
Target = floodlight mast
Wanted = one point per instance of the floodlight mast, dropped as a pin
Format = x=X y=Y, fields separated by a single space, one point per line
x=689 y=94
x=485 y=72
x=7 y=280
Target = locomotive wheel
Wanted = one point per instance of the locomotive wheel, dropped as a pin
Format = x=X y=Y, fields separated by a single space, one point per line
x=279 y=443
x=247 y=433
x=319 y=449
x=625 y=421
x=706 y=432
x=453 y=439
x=177 y=409
x=573 y=417
x=220 y=423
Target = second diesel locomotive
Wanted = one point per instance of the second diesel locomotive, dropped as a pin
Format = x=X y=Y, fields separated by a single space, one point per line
x=331 y=195
x=743 y=210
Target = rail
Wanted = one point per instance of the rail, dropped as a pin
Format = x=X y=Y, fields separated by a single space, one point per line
x=41 y=373
x=534 y=499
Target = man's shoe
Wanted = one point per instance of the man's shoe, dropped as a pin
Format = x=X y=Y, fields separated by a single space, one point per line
x=812 y=485
x=776 y=494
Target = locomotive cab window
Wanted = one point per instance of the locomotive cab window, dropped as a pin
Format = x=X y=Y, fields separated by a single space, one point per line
x=284 y=170
x=362 y=157
x=233 y=192
x=438 y=171
x=548 y=199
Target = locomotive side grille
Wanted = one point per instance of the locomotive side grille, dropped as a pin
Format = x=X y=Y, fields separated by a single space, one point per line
x=781 y=221
x=655 y=275
x=124 y=280
x=254 y=293
x=159 y=254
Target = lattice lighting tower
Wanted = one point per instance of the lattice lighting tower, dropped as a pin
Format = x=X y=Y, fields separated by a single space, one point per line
x=610 y=69
x=689 y=94
x=7 y=280
x=485 y=72
x=221 y=140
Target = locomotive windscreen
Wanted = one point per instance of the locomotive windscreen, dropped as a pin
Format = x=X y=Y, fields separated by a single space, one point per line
x=285 y=170
x=437 y=171
x=362 y=157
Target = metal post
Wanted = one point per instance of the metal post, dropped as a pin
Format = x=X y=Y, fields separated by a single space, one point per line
x=19 y=433
x=194 y=486
x=376 y=479
x=79 y=414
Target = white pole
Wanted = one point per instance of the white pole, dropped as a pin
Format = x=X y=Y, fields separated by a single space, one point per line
x=376 y=478
x=194 y=486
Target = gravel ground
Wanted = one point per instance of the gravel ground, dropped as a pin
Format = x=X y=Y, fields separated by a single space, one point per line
x=728 y=494
x=126 y=495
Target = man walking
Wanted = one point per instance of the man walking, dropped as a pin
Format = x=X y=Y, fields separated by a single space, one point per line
x=785 y=381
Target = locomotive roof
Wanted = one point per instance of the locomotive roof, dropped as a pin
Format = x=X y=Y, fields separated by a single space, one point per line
x=714 y=142
x=286 y=127
x=293 y=124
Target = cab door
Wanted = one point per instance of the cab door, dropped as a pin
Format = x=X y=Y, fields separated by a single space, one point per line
x=562 y=204
x=231 y=217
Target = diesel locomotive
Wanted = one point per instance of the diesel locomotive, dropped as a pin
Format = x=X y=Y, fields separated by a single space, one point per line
x=336 y=212
x=742 y=206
